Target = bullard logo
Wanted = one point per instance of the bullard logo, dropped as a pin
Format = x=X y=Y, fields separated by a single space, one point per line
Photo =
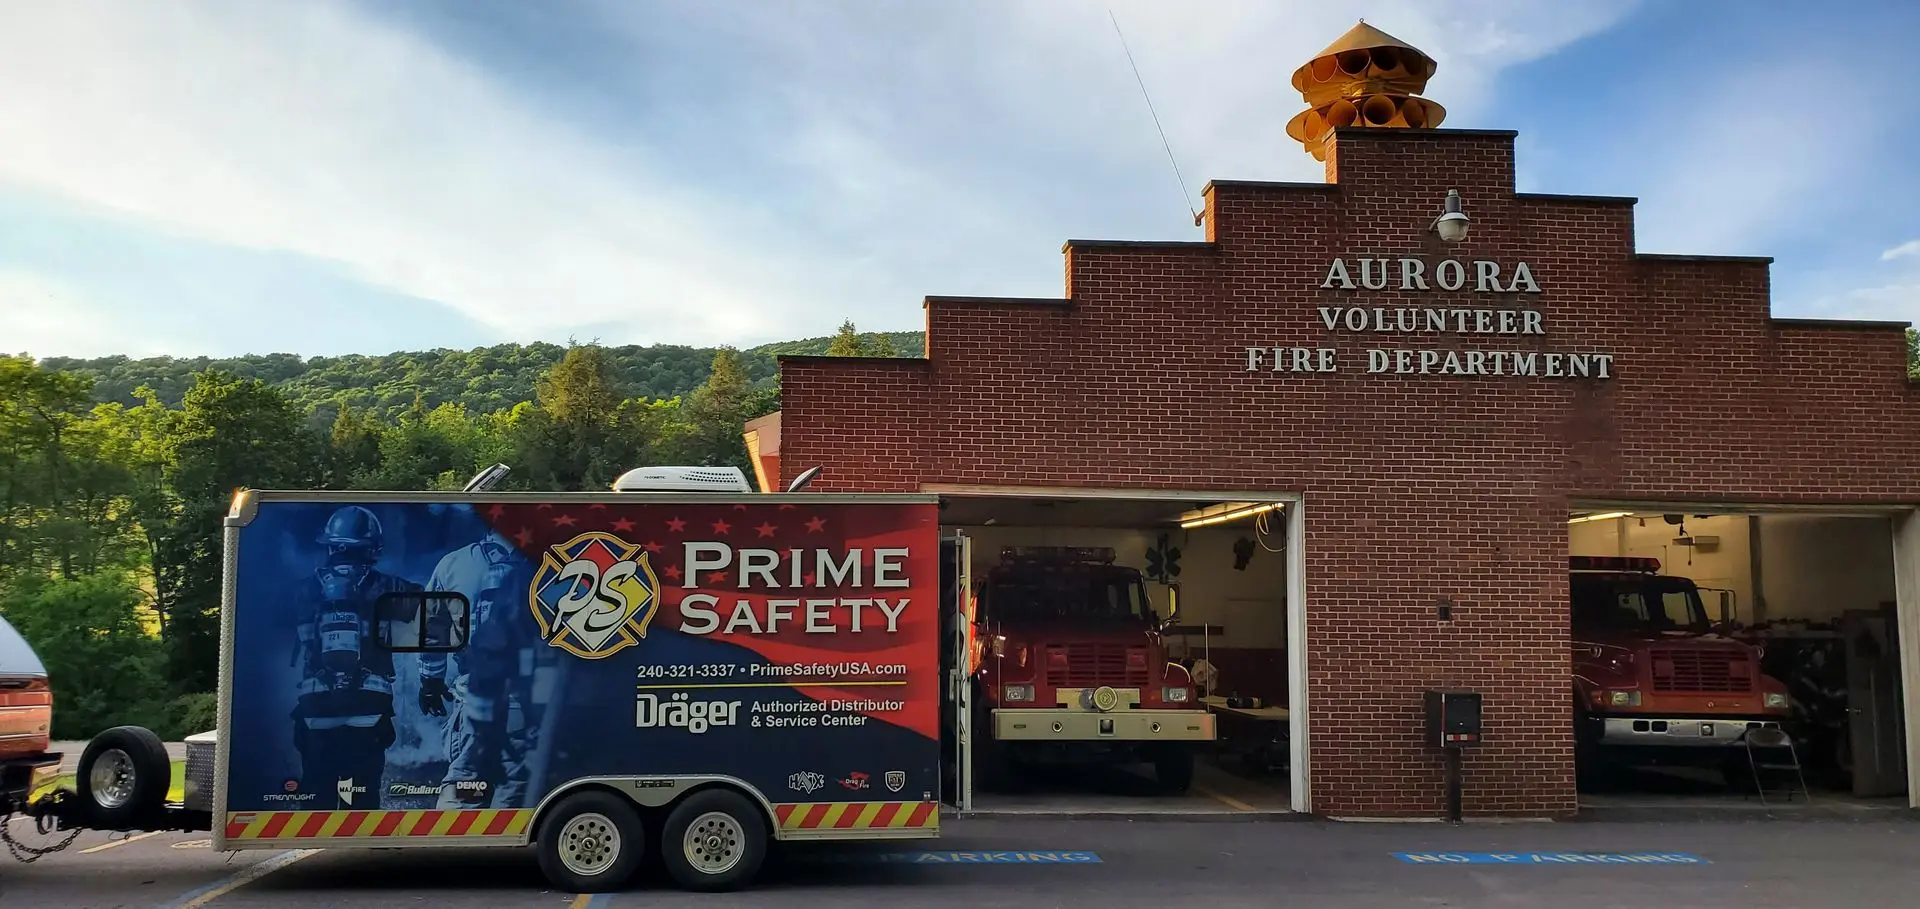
x=594 y=595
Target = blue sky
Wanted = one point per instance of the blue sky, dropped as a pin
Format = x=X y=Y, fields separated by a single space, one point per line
x=329 y=177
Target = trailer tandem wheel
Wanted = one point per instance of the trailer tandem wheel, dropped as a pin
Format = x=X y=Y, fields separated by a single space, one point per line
x=591 y=842
x=714 y=840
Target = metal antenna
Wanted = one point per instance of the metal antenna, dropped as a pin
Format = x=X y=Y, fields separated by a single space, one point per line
x=1156 y=119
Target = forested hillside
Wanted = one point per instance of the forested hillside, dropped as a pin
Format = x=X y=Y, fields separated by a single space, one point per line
x=115 y=473
x=480 y=380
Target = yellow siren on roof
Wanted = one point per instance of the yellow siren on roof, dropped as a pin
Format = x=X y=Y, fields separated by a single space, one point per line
x=1366 y=78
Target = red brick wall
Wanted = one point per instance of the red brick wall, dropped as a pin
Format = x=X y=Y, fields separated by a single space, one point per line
x=1416 y=487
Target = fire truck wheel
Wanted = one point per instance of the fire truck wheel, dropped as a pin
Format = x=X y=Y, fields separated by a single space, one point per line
x=1173 y=768
x=714 y=840
x=123 y=777
x=591 y=842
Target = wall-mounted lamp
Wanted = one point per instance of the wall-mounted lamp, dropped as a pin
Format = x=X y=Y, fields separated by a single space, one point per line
x=1452 y=223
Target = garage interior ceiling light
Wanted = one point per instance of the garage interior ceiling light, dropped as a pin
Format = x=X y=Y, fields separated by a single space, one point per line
x=1223 y=512
x=1605 y=516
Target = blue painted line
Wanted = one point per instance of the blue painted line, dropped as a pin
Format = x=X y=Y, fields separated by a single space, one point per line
x=1550 y=858
x=963 y=858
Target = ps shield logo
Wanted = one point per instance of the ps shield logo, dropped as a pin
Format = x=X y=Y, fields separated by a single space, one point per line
x=594 y=595
x=896 y=780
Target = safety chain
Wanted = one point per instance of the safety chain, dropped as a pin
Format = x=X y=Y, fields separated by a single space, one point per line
x=44 y=825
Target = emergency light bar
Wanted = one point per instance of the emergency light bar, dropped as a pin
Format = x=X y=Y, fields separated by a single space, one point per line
x=1614 y=563
x=1100 y=554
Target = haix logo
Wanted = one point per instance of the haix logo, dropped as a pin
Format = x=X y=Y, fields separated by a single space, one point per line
x=594 y=595
x=346 y=790
x=806 y=781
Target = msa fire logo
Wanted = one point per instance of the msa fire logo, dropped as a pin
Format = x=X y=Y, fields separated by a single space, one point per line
x=346 y=790
x=594 y=595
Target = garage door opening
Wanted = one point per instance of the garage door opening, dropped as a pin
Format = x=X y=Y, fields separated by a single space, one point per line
x=1737 y=659
x=1121 y=655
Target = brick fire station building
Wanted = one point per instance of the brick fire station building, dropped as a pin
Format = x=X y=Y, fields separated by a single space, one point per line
x=1438 y=407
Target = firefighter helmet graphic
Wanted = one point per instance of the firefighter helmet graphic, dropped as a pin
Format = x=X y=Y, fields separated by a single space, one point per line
x=352 y=530
x=594 y=595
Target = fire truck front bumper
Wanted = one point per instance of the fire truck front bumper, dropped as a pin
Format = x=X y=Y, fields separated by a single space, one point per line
x=1679 y=732
x=1069 y=725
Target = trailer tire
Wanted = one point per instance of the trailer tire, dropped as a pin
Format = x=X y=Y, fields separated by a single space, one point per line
x=714 y=841
x=591 y=842
x=122 y=778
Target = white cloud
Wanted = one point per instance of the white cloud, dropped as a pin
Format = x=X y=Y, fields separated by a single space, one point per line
x=311 y=129
x=1907 y=250
x=301 y=128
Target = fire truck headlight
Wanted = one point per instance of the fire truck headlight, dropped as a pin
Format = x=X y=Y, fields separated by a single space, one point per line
x=1019 y=692
x=1626 y=698
x=1174 y=694
x=1776 y=700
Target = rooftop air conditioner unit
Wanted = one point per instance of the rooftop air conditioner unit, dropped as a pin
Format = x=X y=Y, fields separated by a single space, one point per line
x=683 y=479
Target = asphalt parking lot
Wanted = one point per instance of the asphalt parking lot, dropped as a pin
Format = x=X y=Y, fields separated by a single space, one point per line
x=1041 y=863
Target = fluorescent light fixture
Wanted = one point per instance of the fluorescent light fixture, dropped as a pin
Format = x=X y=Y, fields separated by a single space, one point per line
x=1606 y=516
x=1222 y=513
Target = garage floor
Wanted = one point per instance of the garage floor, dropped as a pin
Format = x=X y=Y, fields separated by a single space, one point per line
x=1218 y=790
x=1693 y=790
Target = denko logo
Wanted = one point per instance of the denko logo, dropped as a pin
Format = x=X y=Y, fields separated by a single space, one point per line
x=594 y=595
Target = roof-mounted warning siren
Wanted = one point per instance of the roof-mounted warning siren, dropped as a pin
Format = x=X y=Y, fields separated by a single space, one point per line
x=1644 y=564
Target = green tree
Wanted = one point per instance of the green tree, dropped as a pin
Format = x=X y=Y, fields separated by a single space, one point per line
x=846 y=342
x=231 y=434
x=353 y=449
x=715 y=413
x=59 y=489
x=105 y=668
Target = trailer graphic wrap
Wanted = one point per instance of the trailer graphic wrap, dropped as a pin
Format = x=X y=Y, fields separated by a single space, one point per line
x=436 y=668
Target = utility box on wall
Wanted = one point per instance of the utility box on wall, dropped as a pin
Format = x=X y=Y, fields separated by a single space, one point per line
x=1453 y=718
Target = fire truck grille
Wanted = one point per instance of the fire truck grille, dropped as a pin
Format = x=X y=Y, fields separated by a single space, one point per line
x=1089 y=665
x=1694 y=670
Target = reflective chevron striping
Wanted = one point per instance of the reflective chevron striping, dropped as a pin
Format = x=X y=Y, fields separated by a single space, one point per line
x=857 y=815
x=326 y=825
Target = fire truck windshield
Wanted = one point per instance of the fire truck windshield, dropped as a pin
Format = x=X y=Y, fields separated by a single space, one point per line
x=1638 y=603
x=1069 y=594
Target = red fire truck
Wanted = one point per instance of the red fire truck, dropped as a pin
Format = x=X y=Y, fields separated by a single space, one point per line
x=1074 y=671
x=1652 y=681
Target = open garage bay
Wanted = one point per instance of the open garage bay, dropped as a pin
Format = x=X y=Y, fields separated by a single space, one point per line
x=1737 y=659
x=1180 y=606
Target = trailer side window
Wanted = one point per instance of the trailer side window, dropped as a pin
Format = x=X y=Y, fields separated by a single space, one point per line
x=424 y=621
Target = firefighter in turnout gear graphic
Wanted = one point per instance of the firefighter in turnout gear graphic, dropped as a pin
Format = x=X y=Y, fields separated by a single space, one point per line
x=344 y=715
x=484 y=690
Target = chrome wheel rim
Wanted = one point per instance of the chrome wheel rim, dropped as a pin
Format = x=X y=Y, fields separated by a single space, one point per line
x=714 y=843
x=589 y=844
x=112 y=779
